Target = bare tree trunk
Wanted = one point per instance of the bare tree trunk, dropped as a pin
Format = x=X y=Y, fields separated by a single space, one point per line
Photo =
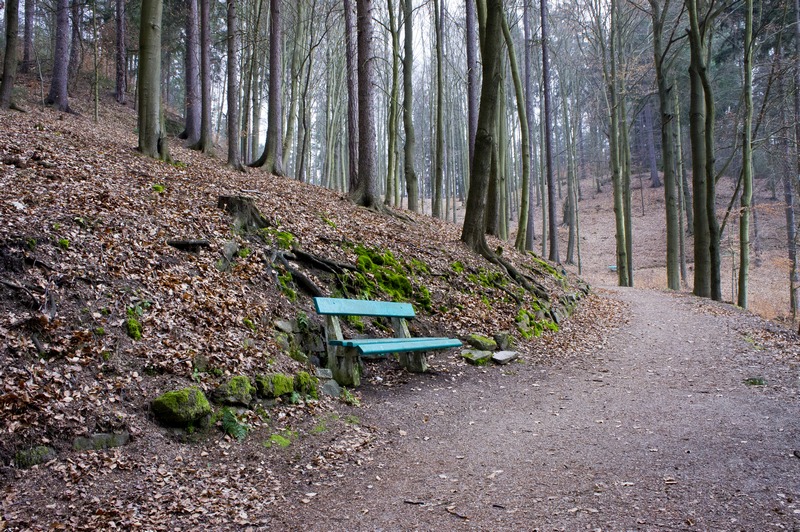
x=474 y=218
x=76 y=46
x=152 y=141
x=272 y=158
x=352 y=92
x=747 y=158
x=551 y=185
x=121 y=53
x=412 y=183
x=365 y=194
x=472 y=80
x=10 y=58
x=530 y=233
x=58 y=83
x=27 y=46
x=205 y=143
x=193 y=105
x=655 y=182
x=439 y=168
x=392 y=181
x=234 y=157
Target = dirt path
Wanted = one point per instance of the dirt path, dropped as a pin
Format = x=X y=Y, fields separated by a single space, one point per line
x=656 y=431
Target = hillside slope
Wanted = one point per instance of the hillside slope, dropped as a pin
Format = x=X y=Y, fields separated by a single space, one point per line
x=83 y=252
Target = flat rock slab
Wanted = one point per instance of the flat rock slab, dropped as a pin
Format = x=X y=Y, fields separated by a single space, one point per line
x=504 y=357
x=477 y=357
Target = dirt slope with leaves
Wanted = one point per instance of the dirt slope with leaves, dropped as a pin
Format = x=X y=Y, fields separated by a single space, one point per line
x=84 y=225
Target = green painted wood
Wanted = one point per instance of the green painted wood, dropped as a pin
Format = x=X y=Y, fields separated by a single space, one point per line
x=428 y=344
x=360 y=307
x=363 y=341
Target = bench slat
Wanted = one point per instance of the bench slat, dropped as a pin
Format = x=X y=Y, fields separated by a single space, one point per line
x=360 y=307
x=426 y=344
x=355 y=342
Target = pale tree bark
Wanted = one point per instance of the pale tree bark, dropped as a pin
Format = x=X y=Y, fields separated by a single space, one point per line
x=76 y=45
x=296 y=75
x=747 y=158
x=27 y=41
x=271 y=158
x=655 y=181
x=365 y=193
x=412 y=184
x=234 y=157
x=152 y=140
x=58 y=83
x=352 y=92
x=392 y=181
x=121 y=53
x=551 y=185
x=194 y=105
x=439 y=165
x=530 y=233
x=472 y=80
x=10 y=58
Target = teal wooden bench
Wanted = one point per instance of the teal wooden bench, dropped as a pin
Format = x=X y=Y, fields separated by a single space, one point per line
x=344 y=356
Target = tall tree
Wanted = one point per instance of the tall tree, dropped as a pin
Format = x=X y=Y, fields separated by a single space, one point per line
x=234 y=157
x=551 y=185
x=438 y=23
x=204 y=142
x=472 y=76
x=122 y=52
x=10 y=59
x=27 y=42
x=271 y=158
x=352 y=92
x=194 y=105
x=472 y=232
x=58 y=83
x=658 y=16
x=747 y=158
x=392 y=181
x=152 y=137
x=412 y=184
x=365 y=193
x=530 y=234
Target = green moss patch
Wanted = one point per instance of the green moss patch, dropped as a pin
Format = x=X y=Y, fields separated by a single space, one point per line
x=306 y=385
x=181 y=408
x=274 y=385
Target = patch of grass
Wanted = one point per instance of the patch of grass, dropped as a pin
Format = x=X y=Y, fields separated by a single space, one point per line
x=158 y=188
x=349 y=398
x=320 y=427
x=328 y=221
x=63 y=243
x=250 y=324
x=99 y=331
x=244 y=253
x=133 y=328
x=755 y=381
x=457 y=267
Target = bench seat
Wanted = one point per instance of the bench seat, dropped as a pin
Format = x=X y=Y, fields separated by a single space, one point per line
x=344 y=354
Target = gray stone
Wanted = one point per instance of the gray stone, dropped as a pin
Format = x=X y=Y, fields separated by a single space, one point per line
x=481 y=342
x=229 y=250
x=477 y=357
x=324 y=373
x=282 y=339
x=237 y=391
x=34 y=456
x=101 y=440
x=504 y=340
x=331 y=388
x=504 y=357
x=287 y=326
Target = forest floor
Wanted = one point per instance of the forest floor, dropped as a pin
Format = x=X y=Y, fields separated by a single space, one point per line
x=647 y=410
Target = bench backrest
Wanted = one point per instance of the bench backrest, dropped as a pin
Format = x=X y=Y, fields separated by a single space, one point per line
x=360 y=307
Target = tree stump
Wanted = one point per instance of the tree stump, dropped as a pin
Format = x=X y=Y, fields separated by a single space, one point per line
x=245 y=214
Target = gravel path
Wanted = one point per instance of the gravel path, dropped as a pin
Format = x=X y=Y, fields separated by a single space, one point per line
x=656 y=431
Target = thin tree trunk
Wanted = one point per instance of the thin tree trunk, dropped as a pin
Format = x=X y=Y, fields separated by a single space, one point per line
x=205 y=143
x=272 y=158
x=234 y=156
x=76 y=45
x=412 y=183
x=655 y=182
x=747 y=158
x=121 y=53
x=352 y=92
x=392 y=182
x=530 y=232
x=551 y=186
x=472 y=81
x=439 y=167
x=27 y=46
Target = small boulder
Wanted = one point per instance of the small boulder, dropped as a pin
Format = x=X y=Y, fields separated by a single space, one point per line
x=34 y=456
x=229 y=250
x=306 y=385
x=504 y=340
x=237 y=391
x=476 y=357
x=504 y=357
x=181 y=408
x=287 y=326
x=481 y=343
x=100 y=441
x=331 y=388
x=274 y=385
x=324 y=373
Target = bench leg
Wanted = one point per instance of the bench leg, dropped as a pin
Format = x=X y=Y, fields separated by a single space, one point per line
x=416 y=362
x=346 y=366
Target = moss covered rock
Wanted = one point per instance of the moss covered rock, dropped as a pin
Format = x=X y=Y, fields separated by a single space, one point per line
x=481 y=343
x=181 y=408
x=237 y=391
x=34 y=456
x=274 y=385
x=305 y=384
